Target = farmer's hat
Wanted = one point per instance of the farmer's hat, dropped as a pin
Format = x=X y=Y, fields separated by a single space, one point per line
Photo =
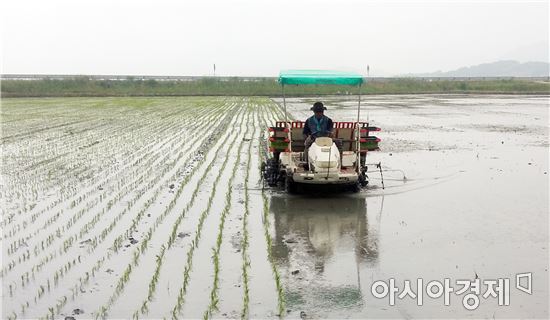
x=318 y=107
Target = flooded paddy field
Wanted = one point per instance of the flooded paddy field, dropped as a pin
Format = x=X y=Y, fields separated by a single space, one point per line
x=465 y=198
x=154 y=208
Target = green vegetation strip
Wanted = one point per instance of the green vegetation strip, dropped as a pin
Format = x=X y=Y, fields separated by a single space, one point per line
x=83 y=86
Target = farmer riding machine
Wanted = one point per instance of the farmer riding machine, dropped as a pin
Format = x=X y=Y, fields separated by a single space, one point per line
x=336 y=160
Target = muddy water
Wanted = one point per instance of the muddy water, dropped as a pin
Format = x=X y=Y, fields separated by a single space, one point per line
x=464 y=197
x=320 y=245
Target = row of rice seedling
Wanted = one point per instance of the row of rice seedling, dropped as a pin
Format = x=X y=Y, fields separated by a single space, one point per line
x=100 y=262
x=175 y=226
x=58 y=201
x=195 y=242
x=91 y=215
x=197 y=157
x=22 y=242
x=245 y=238
x=214 y=299
x=266 y=225
x=120 y=173
x=65 y=245
x=143 y=247
x=137 y=133
x=55 y=158
x=138 y=168
x=112 y=134
x=102 y=312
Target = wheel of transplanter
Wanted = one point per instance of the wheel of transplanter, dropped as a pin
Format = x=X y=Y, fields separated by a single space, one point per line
x=262 y=167
x=263 y=170
x=282 y=181
x=363 y=179
x=290 y=185
x=272 y=172
x=356 y=187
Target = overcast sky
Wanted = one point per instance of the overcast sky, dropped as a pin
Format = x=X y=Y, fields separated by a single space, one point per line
x=261 y=37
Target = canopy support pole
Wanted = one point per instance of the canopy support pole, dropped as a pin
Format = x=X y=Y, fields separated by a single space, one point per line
x=358 y=145
x=286 y=124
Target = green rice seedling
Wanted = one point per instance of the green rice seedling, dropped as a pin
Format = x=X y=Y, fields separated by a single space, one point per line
x=73 y=239
x=278 y=284
x=195 y=242
x=244 y=244
x=213 y=306
x=143 y=247
x=154 y=279
x=60 y=304
x=12 y=316
x=41 y=291
x=144 y=309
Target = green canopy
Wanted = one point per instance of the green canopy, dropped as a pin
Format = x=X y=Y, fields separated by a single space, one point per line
x=320 y=77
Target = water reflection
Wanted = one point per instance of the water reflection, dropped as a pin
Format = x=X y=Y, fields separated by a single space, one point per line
x=320 y=244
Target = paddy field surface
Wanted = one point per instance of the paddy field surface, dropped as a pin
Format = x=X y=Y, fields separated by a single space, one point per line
x=155 y=208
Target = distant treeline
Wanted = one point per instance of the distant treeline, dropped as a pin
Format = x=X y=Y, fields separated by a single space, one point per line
x=85 y=87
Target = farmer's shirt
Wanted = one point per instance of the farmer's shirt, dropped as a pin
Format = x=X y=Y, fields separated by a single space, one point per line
x=318 y=127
